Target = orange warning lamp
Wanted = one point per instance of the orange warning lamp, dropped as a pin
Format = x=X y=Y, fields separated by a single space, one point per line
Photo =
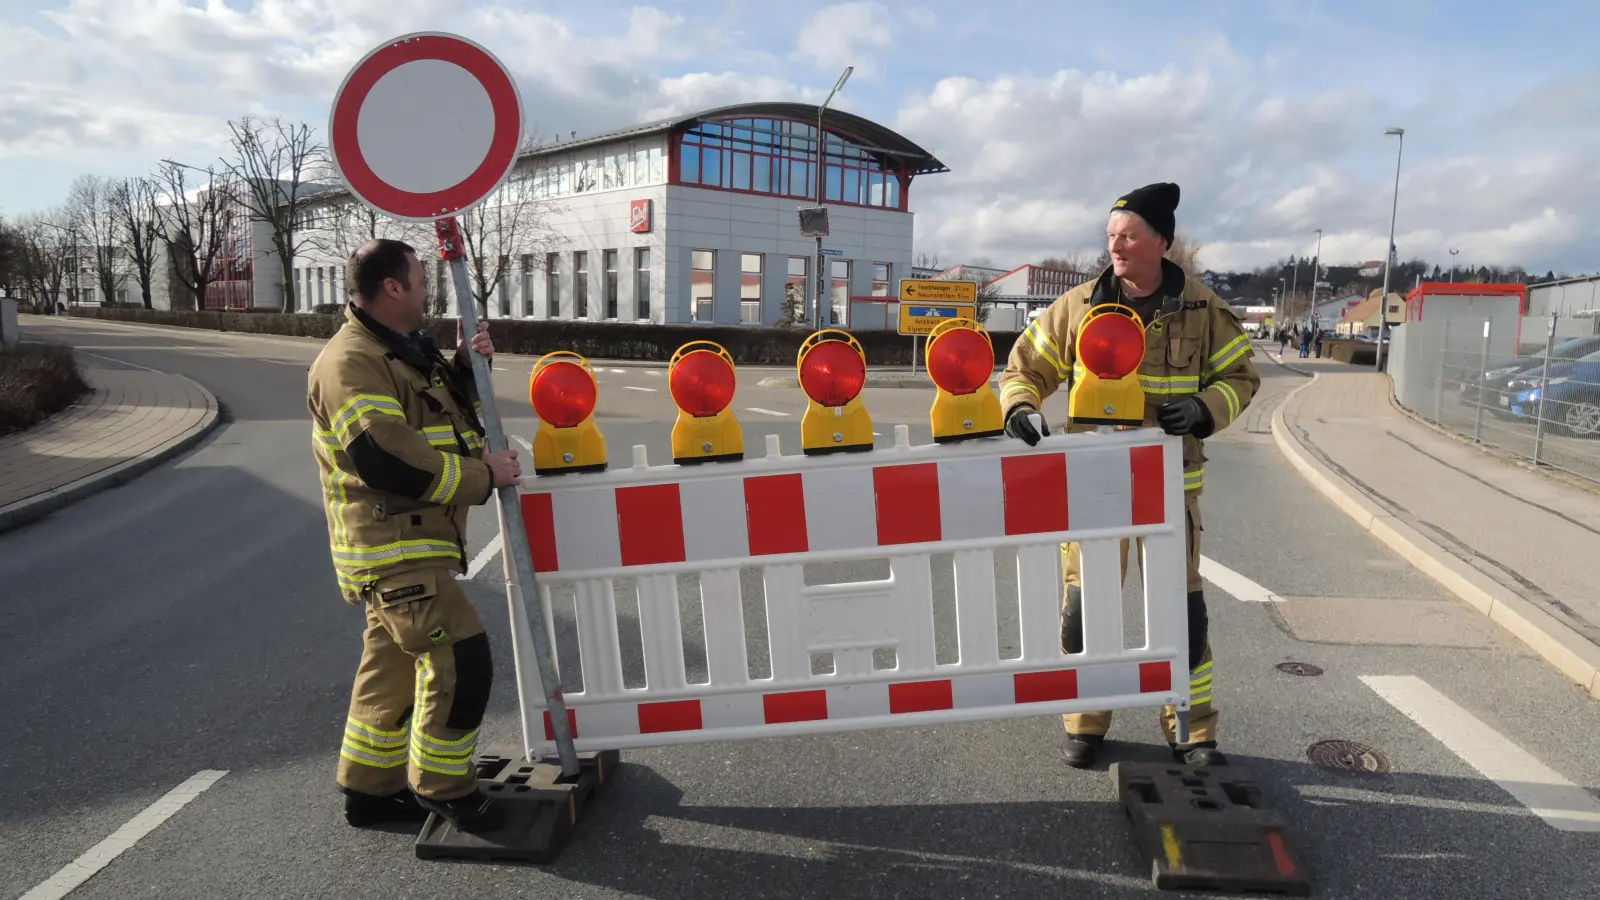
x=833 y=370
x=564 y=394
x=702 y=383
x=961 y=362
x=1110 y=348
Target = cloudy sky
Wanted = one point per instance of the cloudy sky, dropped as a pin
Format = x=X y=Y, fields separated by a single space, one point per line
x=1269 y=113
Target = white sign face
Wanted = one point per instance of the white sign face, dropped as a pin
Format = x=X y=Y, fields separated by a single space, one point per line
x=426 y=126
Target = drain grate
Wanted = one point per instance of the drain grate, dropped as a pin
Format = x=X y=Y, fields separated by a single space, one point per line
x=1299 y=668
x=1348 y=756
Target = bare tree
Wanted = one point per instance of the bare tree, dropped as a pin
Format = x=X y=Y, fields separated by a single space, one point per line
x=1185 y=251
x=512 y=223
x=92 y=216
x=1100 y=264
x=988 y=294
x=1075 y=261
x=135 y=209
x=194 y=225
x=47 y=252
x=271 y=162
x=11 y=259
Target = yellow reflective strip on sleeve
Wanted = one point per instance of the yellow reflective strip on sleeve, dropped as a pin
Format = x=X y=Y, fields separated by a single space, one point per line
x=1192 y=481
x=363 y=403
x=1018 y=387
x=1230 y=395
x=1046 y=347
x=1228 y=355
x=449 y=479
x=1169 y=384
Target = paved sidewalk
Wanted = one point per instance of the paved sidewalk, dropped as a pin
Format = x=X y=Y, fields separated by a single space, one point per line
x=133 y=420
x=1516 y=543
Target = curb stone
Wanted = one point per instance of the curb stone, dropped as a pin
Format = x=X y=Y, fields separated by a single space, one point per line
x=32 y=509
x=1569 y=651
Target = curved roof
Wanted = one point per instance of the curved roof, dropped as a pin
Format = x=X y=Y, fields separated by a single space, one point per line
x=869 y=134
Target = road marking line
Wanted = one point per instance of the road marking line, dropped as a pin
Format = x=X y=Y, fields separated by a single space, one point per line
x=122 y=362
x=616 y=371
x=75 y=873
x=765 y=412
x=1239 y=586
x=634 y=387
x=653 y=373
x=1563 y=805
x=523 y=441
x=489 y=551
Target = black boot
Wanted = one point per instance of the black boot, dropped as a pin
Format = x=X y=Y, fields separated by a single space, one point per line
x=1079 y=750
x=1204 y=753
x=362 y=810
x=476 y=813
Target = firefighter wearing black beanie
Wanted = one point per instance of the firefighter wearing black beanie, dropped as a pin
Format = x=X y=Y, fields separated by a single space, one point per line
x=1157 y=204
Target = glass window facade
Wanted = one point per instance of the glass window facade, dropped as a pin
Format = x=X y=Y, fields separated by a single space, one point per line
x=778 y=157
x=606 y=167
x=611 y=284
x=580 y=284
x=641 y=282
x=750 y=269
x=552 y=286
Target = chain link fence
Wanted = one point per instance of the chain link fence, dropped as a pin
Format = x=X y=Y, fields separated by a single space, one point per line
x=1529 y=386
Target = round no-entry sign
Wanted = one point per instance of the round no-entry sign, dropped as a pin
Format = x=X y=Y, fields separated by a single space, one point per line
x=426 y=126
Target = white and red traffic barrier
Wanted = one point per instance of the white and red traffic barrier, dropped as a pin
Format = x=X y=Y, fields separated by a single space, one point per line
x=777 y=513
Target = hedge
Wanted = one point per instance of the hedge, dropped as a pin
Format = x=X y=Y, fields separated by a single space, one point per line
x=595 y=340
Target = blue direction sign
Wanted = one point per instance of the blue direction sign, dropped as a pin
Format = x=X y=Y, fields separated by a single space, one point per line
x=923 y=319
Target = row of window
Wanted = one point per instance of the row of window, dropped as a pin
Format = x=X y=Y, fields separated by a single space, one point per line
x=622 y=166
x=703 y=277
x=779 y=157
x=610 y=285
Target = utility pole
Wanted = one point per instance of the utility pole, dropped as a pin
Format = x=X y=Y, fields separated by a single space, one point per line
x=1316 y=273
x=1388 y=260
x=1453 y=265
x=824 y=311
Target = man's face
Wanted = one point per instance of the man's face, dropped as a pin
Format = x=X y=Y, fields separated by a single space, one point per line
x=410 y=294
x=1134 y=246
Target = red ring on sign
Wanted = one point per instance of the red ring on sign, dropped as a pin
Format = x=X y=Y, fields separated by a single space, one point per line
x=496 y=162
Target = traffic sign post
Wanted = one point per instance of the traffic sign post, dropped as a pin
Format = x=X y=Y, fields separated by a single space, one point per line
x=926 y=304
x=471 y=124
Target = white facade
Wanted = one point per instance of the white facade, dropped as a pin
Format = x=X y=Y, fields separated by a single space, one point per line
x=703 y=254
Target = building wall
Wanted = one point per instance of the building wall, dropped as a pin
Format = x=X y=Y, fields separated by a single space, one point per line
x=1564 y=298
x=732 y=224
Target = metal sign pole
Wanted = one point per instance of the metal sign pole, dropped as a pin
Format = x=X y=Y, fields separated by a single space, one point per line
x=513 y=534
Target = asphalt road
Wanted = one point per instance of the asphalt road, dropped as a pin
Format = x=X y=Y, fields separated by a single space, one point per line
x=188 y=621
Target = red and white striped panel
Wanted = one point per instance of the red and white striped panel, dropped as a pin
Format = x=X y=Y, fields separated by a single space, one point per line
x=707 y=519
x=619 y=724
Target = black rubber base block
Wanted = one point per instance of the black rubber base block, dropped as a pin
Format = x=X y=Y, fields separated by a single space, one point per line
x=541 y=810
x=1207 y=828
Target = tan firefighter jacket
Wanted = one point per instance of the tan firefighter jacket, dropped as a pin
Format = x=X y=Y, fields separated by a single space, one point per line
x=399 y=447
x=1194 y=346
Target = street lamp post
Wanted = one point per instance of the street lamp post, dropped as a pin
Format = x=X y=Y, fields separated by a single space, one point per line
x=1388 y=259
x=1453 y=265
x=824 y=313
x=1316 y=269
x=1294 y=286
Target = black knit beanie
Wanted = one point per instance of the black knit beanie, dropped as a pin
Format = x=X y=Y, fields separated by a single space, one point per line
x=1154 y=203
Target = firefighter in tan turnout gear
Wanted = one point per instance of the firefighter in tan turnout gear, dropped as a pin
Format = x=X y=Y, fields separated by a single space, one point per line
x=401 y=453
x=1197 y=378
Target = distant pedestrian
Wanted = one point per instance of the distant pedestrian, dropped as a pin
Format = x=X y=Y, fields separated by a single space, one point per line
x=1305 y=343
x=1320 y=333
x=1283 y=341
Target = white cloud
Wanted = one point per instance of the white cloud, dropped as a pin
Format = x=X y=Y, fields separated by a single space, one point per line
x=847 y=34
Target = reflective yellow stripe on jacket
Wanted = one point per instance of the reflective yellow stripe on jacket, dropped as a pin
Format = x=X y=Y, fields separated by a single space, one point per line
x=351 y=412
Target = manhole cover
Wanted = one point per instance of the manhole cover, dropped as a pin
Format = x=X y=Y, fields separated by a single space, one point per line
x=1299 y=668
x=1348 y=756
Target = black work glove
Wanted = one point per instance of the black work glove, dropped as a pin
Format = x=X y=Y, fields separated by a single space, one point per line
x=1019 y=426
x=1185 y=416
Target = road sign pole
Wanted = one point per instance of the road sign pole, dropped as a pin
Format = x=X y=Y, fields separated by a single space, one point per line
x=913 y=354
x=513 y=534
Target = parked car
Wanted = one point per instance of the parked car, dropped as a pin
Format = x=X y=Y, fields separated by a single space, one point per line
x=1570 y=401
x=1502 y=371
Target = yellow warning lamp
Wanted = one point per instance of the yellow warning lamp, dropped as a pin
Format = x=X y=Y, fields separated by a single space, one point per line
x=564 y=394
x=702 y=383
x=961 y=362
x=833 y=370
x=1110 y=347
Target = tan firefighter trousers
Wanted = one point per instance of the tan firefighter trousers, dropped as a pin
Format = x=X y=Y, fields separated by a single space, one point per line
x=420 y=690
x=1202 y=716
